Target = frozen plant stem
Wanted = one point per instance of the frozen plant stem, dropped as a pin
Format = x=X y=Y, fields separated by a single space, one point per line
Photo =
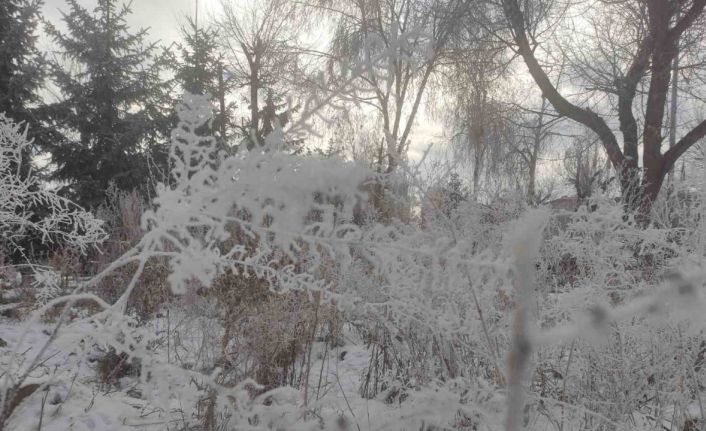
x=312 y=338
x=517 y=363
x=524 y=250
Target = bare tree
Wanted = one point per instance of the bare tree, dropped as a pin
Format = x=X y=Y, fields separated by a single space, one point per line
x=534 y=131
x=413 y=36
x=505 y=140
x=638 y=62
x=354 y=135
x=478 y=133
x=585 y=166
x=476 y=68
x=397 y=95
x=262 y=39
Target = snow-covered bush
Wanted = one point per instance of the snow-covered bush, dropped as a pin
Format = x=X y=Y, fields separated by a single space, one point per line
x=631 y=359
x=22 y=194
x=28 y=208
x=122 y=213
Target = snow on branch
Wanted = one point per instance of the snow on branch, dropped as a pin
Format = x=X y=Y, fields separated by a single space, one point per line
x=22 y=194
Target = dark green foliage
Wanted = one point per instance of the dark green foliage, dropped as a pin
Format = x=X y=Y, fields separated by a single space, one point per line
x=198 y=68
x=20 y=62
x=454 y=193
x=114 y=104
x=22 y=74
x=21 y=67
x=196 y=64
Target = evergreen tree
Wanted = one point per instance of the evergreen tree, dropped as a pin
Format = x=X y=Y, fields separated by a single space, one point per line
x=198 y=69
x=22 y=74
x=453 y=194
x=113 y=103
x=21 y=68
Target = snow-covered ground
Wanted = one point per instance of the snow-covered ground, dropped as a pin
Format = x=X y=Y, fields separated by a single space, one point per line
x=72 y=397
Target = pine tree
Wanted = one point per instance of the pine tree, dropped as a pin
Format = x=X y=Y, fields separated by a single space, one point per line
x=113 y=106
x=453 y=193
x=22 y=74
x=198 y=69
x=21 y=68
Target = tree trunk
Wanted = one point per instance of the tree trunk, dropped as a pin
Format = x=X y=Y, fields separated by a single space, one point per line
x=254 y=108
x=654 y=58
x=222 y=101
x=531 y=193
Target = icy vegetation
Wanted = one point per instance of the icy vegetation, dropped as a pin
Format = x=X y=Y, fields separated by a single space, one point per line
x=488 y=318
x=20 y=193
x=273 y=289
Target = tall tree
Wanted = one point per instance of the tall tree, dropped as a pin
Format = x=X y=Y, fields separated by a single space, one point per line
x=262 y=41
x=534 y=132
x=412 y=37
x=21 y=68
x=198 y=68
x=113 y=103
x=636 y=44
x=473 y=74
x=397 y=92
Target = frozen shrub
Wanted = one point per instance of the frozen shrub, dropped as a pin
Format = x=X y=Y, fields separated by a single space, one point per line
x=61 y=224
x=111 y=367
x=29 y=209
x=122 y=214
x=271 y=331
x=64 y=223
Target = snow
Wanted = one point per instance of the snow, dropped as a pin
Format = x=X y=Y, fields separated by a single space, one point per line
x=472 y=322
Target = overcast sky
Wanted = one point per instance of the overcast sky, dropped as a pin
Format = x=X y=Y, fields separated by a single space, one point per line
x=162 y=17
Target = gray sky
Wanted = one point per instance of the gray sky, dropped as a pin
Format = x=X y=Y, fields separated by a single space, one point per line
x=162 y=17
